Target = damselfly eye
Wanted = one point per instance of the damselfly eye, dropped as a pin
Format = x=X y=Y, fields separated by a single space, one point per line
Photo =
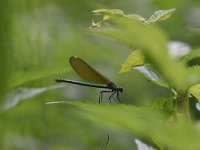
x=121 y=89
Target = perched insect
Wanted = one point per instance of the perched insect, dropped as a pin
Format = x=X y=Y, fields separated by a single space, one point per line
x=90 y=74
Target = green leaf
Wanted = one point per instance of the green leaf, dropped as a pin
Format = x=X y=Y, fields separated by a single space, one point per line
x=33 y=74
x=195 y=91
x=109 y=12
x=135 y=17
x=13 y=98
x=106 y=14
x=152 y=75
x=160 y=15
x=192 y=55
x=194 y=75
x=194 y=69
x=134 y=59
x=142 y=121
x=164 y=105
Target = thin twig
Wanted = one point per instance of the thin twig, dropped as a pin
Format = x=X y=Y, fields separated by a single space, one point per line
x=107 y=142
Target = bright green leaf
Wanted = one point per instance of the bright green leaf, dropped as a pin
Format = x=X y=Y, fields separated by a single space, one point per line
x=109 y=12
x=136 y=17
x=106 y=15
x=159 y=16
x=136 y=58
x=194 y=75
x=195 y=91
x=164 y=105
x=192 y=55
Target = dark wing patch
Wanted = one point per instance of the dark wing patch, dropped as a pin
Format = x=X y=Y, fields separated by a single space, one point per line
x=87 y=72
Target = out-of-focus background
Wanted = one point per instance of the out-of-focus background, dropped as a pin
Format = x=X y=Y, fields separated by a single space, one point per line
x=36 y=40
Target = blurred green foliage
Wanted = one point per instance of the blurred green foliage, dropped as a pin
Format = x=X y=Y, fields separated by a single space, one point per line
x=4 y=44
x=36 y=40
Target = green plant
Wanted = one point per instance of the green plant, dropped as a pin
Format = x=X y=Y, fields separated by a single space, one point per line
x=150 y=51
x=149 y=44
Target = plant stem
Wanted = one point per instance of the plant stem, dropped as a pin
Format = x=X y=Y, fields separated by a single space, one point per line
x=175 y=110
x=183 y=97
